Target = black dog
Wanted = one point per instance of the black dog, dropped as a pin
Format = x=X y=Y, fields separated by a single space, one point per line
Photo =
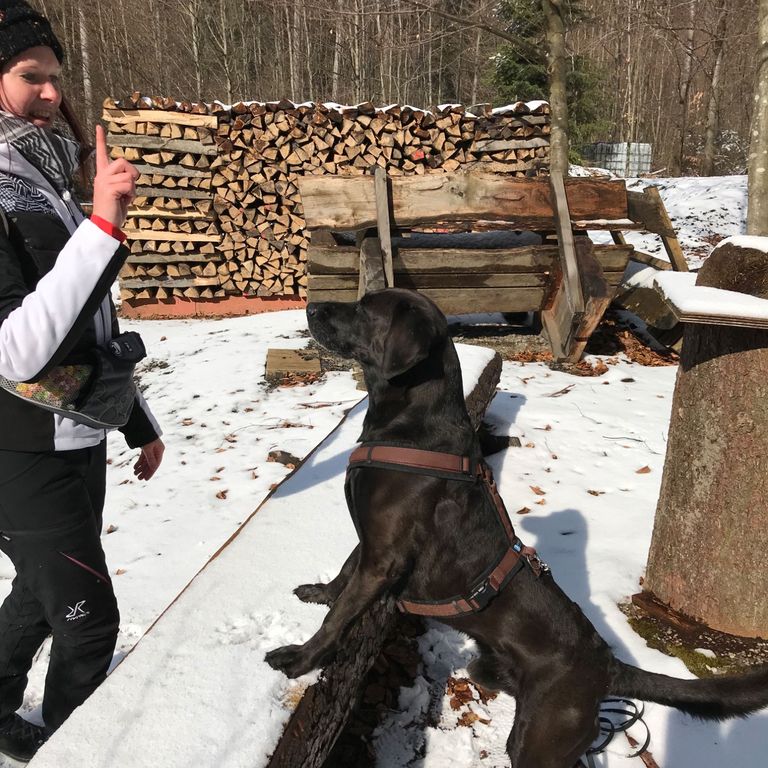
x=427 y=538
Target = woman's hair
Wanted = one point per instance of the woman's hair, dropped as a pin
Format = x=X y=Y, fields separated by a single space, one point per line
x=86 y=149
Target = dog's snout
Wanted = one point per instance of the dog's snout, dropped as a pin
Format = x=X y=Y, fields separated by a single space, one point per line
x=311 y=309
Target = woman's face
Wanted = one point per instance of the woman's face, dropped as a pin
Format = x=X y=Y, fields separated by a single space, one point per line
x=29 y=86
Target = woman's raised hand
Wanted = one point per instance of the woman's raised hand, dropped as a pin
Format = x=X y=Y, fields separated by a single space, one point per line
x=114 y=186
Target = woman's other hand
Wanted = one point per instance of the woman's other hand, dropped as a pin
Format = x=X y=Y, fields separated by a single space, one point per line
x=149 y=460
x=114 y=186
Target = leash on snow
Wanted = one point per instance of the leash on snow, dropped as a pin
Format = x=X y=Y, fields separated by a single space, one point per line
x=618 y=715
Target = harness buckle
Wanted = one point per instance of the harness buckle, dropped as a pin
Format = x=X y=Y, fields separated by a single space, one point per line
x=482 y=594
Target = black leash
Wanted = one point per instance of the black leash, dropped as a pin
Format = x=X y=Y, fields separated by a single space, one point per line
x=617 y=716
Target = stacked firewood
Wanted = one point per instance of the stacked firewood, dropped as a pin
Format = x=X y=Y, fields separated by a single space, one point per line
x=219 y=210
x=172 y=230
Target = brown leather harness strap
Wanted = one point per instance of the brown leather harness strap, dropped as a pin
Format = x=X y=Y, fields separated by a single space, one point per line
x=453 y=467
x=373 y=453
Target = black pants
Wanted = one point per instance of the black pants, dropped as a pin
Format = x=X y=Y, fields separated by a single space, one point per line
x=50 y=525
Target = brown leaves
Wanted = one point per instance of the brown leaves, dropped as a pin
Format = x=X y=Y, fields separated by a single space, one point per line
x=460 y=691
x=523 y=510
x=596 y=493
x=643 y=470
x=537 y=490
x=222 y=494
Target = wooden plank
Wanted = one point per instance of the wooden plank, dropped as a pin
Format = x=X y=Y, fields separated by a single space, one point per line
x=454 y=302
x=651 y=261
x=177 y=171
x=500 y=145
x=161 y=213
x=597 y=296
x=283 y=361
x=419 y=282
x=558 y=320
x=171 y=258
x=642 y=208
x=123 y=116
x=371 y=264
x=349 y=203
x=670 y=241
x=186 y=282
x=341 y=259
x=157 y=142
x=184 y=194
x=152 y=234
x=566 y=245
x=381 y=192
x=732 y=321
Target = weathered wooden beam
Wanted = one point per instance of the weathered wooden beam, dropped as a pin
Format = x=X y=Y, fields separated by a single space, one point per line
x=503 y=145
x=157 y=142
x=176 y=171
x=153 y=234
x=184 y=282
x=648 y=207
x=420 y=281
x=184 y=194
x=170 y=258
x=454 y=302
x=371 y=264
x=123 y=116
x=381 y=192
x=566 y=245
x=151 y=212
x=598 y=293
x=327 y=260
x=349 y=203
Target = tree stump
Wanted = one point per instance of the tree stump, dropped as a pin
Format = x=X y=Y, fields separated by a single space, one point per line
x=708 y=552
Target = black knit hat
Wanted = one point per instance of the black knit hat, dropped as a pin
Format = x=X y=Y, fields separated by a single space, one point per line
x=22 y=27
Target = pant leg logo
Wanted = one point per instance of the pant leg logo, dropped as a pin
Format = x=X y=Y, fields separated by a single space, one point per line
x=76 y=612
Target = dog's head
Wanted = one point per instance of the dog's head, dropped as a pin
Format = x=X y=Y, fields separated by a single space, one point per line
x=389 y=331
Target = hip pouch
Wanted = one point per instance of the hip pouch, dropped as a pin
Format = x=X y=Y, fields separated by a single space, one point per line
x=98 y=392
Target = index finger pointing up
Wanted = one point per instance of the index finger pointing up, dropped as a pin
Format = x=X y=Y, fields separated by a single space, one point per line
x=102 y=157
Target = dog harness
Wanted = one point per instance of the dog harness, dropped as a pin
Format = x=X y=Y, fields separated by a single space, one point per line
x=449 y=466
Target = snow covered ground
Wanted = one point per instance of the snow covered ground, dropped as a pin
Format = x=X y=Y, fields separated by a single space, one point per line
x=196 y=692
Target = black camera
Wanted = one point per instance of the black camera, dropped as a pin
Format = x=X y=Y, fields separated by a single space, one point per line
x=127 y=347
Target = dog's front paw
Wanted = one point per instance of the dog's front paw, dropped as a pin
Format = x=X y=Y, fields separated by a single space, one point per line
x=314 y=593
x=289 y=659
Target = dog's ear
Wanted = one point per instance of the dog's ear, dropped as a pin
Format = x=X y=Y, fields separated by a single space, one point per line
x=409 y=341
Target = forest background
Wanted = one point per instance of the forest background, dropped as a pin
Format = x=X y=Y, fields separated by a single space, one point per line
x=678 y=74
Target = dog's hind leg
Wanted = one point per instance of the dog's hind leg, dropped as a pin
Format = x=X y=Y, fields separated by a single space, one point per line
x=327 y=594
x=554 y=724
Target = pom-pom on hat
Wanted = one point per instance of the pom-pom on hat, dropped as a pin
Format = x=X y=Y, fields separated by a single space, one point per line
x=22 y=27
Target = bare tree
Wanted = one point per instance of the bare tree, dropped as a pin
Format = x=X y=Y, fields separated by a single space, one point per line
x=757 y=213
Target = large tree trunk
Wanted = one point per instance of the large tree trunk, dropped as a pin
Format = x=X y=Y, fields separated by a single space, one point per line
x=757 y=212
x=558 y=101
x=707 y=557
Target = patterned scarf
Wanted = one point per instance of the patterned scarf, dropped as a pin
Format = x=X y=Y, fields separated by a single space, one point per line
x=55 y=156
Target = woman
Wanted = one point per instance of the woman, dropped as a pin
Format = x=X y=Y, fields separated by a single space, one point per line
x=56 y=269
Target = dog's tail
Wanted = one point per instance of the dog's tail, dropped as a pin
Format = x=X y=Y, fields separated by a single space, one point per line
x=714 y=698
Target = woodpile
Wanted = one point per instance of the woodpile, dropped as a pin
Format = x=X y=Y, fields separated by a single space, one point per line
x=219 y=211
x=172 y=230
